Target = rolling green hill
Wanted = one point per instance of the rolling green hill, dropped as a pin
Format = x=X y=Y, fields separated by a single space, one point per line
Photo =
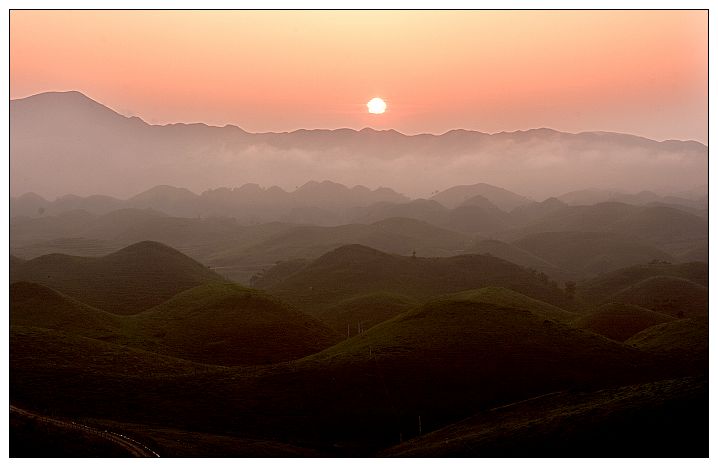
x=597 y=290
x=39 y=306
x=685 y=338
x=217 y=324
x=619 y=321
x=228 y=324
x=125 y=282
x=674 y=296
x=361 y=394
x=349 y=316
x=356 y=270
x=508 y=298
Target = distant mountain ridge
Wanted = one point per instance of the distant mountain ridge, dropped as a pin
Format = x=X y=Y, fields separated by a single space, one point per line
x=113 y=154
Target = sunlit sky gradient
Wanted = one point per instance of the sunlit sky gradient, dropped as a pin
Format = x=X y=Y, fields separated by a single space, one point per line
x=639 y=72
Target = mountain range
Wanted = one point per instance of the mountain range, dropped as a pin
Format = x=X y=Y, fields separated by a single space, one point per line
x=65 y=142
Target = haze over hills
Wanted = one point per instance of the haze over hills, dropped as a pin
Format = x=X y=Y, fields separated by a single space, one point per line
x=118 y=156
x=368 y=307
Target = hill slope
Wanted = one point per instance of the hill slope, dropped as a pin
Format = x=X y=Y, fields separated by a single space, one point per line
x=674 y=296
x=125 y=282
x=227 y=324
x=619 y=321
x=590 y=253
x=349 y=317
x=501 y=198
x=355 y=269
x=597 y=290
x=665 y=418
x=39 y=306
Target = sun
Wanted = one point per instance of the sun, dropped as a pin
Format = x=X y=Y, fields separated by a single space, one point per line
x=376 y=106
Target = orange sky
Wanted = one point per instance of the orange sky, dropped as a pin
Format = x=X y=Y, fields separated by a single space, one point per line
x=633 y=71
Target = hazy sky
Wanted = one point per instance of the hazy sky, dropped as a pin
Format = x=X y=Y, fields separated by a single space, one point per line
x=633 y=71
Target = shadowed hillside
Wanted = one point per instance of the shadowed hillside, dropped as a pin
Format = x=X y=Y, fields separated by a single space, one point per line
x=365 y=391
x=355 y=269
x=599 y=289
x=664 y=418
x=217 y=324
x=354 y=315
x=590 y=253
x=125 y=282
x=672 y=230
x=673 y=296
x=227 y=324
x=619 y=321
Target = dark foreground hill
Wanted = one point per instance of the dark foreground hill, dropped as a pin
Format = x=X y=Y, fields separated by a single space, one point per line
x=354 y=270
x=125 y=282
x=619 y=321
x=363 y=393
x=215 y=324
x=36 y=305
x=661 y=419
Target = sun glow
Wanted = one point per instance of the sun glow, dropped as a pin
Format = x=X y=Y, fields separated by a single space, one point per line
x=376 y=106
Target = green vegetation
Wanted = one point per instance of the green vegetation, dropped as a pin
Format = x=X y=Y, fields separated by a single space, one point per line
x=218 y=324
x=356 y=270
x=349 y=317
x=221 y=368
x=510 y=299
x=685 y=338
x=128 y=281
x=228 y=324
x=674 y=296
x=619 y=321
x=599 y=289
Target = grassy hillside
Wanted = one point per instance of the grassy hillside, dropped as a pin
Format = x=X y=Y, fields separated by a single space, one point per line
x=218 y=324
x=510 y=299
x=361 y=394
x=684 y=341
x=228 y=324
x=674 y=296
x=598 y=289
x=36 y=305
x=619 y=321
x=350 y=316
x=37 y=350
x=356 y=270
x=590 y=253
x=125 y=282
x=664 y=418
